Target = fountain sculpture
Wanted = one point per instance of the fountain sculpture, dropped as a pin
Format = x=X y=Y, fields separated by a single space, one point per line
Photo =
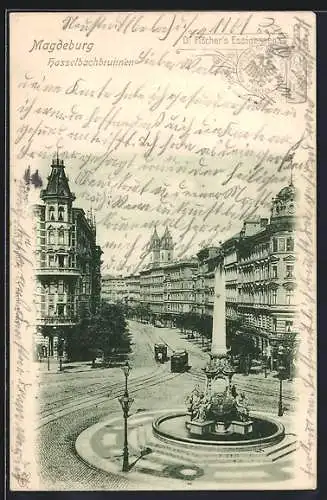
x=219 y=408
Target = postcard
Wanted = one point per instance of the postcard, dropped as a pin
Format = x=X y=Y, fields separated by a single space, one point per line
x=162 y=250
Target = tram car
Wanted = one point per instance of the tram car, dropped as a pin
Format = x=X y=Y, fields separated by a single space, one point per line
x=179 y=362
x=160 y=352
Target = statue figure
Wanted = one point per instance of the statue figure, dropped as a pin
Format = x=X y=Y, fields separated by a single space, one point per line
x=192 y=402
x=242 y=408
x=201 y=408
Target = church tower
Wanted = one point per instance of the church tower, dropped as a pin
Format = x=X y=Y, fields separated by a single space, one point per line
x=166 y=247
x=154 y=248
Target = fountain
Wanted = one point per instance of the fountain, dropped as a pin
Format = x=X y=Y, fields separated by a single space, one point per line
x=219 y=415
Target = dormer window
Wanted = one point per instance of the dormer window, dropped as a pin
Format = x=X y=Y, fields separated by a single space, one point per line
x=61 y=211
x=51 y=213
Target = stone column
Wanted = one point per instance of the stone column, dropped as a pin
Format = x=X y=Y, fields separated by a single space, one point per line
x=218 y=346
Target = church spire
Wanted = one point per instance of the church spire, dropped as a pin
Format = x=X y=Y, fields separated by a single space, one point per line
x=167 y=240
x=155 y=240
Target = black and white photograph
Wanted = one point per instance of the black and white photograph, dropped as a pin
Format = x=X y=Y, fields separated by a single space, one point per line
x=162 y=251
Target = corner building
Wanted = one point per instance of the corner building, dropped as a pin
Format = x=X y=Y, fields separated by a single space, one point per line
x=68 y=261
x=260 y=276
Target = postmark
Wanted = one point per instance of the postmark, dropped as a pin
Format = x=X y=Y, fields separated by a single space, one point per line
x=274 y=71
x=262 y=71
x=296 y=78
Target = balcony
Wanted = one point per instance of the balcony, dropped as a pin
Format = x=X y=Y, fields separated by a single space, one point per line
x=57 y=321
x=286 y=336
x=57 y=271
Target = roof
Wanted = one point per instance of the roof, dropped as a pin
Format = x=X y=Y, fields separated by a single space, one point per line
x=286 y=193
x=57 y=182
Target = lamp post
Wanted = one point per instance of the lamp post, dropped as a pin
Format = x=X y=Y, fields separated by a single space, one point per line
x=49 y=345
x=265 y=360
x=60 y=352
x=126 y=402
x=281 y=372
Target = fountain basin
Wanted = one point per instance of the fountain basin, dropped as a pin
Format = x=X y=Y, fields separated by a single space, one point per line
x=267 y=432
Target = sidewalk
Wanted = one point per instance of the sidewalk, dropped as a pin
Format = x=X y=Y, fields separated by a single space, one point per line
x=74 y=366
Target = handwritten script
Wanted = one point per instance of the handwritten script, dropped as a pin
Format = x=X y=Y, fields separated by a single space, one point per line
x=193 y=121
x=20 y=327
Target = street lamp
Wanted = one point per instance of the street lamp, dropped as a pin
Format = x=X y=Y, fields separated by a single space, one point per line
x=60 y=349
x=49 y=344
x=281 y=373
x=126 y=402
x=265 y=360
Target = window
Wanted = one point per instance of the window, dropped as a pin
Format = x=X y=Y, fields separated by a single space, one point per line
x=274 y=245
x=288 y=326
x=61 y=287
x=51 y=310
x=274 y=324
x=290 y=244
x=274 y=297
x=51 y=261
x=274 y=272
x=61 y=260
x=281 y=245
x=51 y=213
x=289 y=271
x=289 y=297
x=61 y=211
x=51 y=236
x=61 y=236
x=61 y=309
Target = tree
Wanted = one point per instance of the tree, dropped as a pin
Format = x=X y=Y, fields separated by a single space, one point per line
x=105 y=331
x=109 y=330
x=80 y=341
x=243 y=345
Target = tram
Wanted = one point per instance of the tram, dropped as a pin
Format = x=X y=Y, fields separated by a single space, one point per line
x=179 y=362
x=160 y=352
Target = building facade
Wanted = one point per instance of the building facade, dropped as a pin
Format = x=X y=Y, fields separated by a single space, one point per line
x=178 y=286
x=114 y=289
x=166 y=285
x=68 y=261
x=260 y=276
x=133 y=289
x=204 y=281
